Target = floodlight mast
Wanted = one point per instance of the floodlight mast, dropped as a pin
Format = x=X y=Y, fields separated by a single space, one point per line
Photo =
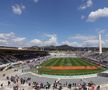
x=100 y=43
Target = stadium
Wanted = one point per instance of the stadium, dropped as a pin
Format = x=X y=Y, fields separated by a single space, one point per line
x=59 y=67
x=53 y=45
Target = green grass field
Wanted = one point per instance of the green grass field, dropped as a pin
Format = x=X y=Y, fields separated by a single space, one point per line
x=66 y=62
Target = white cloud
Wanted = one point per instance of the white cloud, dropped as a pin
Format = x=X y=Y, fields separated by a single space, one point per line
x=35 y=1
x=18 y=9
x=10 y=39
x=90 y=43
x=87 y=43
x=100 y=13
x=52 y=40
x=84 y=40
x=83 y=37
x=86 y=4
x=36 y=42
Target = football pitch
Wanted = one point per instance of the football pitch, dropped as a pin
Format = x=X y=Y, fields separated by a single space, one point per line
x=67 y=62
x=67 y=66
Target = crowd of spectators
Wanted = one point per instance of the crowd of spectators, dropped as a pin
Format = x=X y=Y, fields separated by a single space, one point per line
x=13 y=56
x=15 y=82
x=7 y=59
x=95 y=57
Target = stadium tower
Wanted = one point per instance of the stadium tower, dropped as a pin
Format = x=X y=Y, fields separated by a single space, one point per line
x=100 y=43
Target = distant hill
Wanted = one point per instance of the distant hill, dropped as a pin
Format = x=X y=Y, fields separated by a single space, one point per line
x=67 y=47
x=60 y=47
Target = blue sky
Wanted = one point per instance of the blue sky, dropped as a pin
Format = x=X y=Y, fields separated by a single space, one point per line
x=53 y=22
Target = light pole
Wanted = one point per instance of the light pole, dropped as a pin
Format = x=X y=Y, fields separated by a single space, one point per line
x=100 y=43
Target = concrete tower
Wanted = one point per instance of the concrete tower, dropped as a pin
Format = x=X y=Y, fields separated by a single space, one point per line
x=100 y=43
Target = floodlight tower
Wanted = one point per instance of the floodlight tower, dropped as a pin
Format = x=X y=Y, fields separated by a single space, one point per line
x=100 y=43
